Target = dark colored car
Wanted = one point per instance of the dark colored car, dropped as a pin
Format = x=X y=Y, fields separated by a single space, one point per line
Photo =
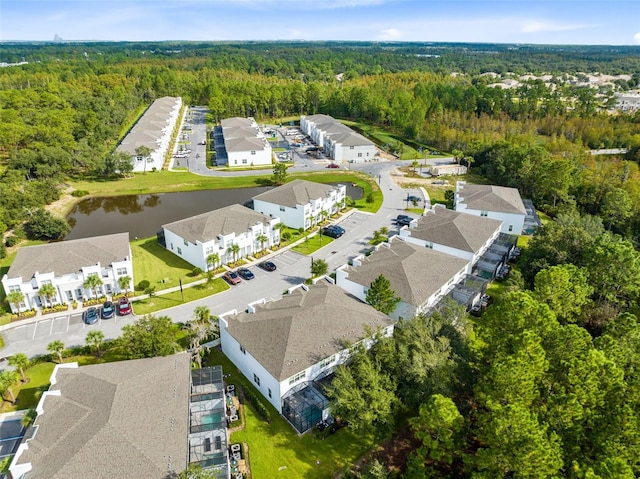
x=403 y=220
x=267 y=265
x=91 y=315
x=231 y=277
x=333 y=165
x=333 y=231
x=417 y=199
x=244 y=273
x=124 y=306
x=108 y=310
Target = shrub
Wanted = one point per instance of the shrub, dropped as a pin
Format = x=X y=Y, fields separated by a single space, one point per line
x=79 y=193
x=300 y=230
x=151 y=291
x=286 y=236
x=11 y=241
x=255 y=401
x=369 y=198
x=144 y=284
x=196 y=271
x=3 y=251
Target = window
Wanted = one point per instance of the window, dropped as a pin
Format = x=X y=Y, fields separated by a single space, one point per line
x=256 y=380
x=209 y=250
x=121 y=271
x=297 y=377
x=359 y=155
x=325 y=362
x=429 y=245
x=244 y=161
x=484 y=213
x=510 y=227
x=171 y=246
x=15 y=288
x=269 y=392
x=69 y=295
x=253 y=152
x=235 y=162
x=351 y=147
x=186 y=243
x=139 y=158
x=243 y=350
x=179 y=250
x=282 y=208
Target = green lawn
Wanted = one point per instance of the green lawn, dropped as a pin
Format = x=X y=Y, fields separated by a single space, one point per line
x=169 y=300
x=28 y=394
x=156 y=263
x=312 y=244
x=275 y=450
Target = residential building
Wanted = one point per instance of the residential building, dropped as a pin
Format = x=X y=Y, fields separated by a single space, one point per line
x=285 y=346
x=154 y=130
x=194 y=239
x=66 y=265
x=419 y=276
x=496 y=202
x=338 y=141
x=301 y=203
x=458 y=234
x=122 y=419
x=245 y=144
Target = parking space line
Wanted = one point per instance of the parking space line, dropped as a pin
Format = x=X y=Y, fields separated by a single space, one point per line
x=51 y=327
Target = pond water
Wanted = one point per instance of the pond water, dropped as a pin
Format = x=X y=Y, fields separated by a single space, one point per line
x=143 y=215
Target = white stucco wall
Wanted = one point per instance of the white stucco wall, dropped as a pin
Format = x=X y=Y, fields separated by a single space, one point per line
x=247 y=158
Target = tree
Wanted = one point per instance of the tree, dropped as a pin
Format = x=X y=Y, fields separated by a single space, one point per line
x=9 y=378
x=449 y=196
x=319 y=267
x=148 y=337
x=56 y=347
x=279 y=176
x=48 y=291
x=565 y=288
x=123 y=284
x=200 y=328
x=95 y=339
x=20 y=361
x=617 y=209
x=15 y=298
x=28 y=418
x=93 y=282
x=381 y=296
x=233 y=249
x=212 y=260
x=43 y=225
x=144 y=152
x=262 y=239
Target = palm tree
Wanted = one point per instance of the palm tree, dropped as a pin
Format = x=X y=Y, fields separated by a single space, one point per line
x=213 y=259
x=28 y=418
x=7 y=379
x=469 y=160
x=384 y=231
x=262 y=239
x=94 y=340
x=234 y=249
x=56 y=347
x=200 y=328
x=93 y=282
x=123 y=283
x=48 y=291
x=15 y=298
x=20 y=361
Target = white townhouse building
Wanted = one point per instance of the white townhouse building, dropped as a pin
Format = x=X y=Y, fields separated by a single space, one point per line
x=419 y=276
x=67 y=265
x=197 y=237
x=496 y=202
x=458 y=234
x=245 y=144
x=284 y=347
x=338 y=141
x=153 y=130
x=301 y=203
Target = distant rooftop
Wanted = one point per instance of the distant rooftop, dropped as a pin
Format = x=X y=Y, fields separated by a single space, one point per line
x=491 y=198
x=296 y=192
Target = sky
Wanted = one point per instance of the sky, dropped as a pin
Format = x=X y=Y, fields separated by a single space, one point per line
x=574 y=22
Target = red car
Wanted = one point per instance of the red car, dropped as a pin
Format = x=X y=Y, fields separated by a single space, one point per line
x=124 y=306
x=231 y=277
x=333 y=165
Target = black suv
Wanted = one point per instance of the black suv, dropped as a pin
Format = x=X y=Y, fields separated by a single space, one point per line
x=333 y=231
x=403 y=220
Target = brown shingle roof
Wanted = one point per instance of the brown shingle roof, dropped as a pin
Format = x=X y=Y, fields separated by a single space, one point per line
x=492 y=198
x=458 y=230
x=297 y=192
x=207 y=226
x=122 y=419
x=304 y=327
x=70 y=256
x=415 y=272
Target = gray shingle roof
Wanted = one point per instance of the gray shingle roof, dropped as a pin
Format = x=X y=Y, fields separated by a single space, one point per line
x=304 y=327
x=121 y=419
x=236 y=121
x=207 y=226
x=458 y=230
x=150 y=127
x=294 y=193
x=492 y=198
x=415 y=272
x=246 y=143
x=350 y=139
x=70 y=256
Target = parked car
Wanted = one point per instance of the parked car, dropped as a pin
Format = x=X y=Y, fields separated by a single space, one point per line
x=267 y=265
x=231 y=277
x=403 y=220
x=333 y=165
x=108 y=310
x=333 y=231
x=244 y=273
x=91 y=315
x=412 y=198
x=124 y=306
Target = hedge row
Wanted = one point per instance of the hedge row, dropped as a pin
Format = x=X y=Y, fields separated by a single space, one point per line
x=260 y=408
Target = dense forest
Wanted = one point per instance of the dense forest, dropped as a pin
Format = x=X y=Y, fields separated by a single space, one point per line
x=545 y=384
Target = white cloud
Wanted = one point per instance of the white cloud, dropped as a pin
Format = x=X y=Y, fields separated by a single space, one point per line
x=535 y=26
x=389 y=34
x=636 y=37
